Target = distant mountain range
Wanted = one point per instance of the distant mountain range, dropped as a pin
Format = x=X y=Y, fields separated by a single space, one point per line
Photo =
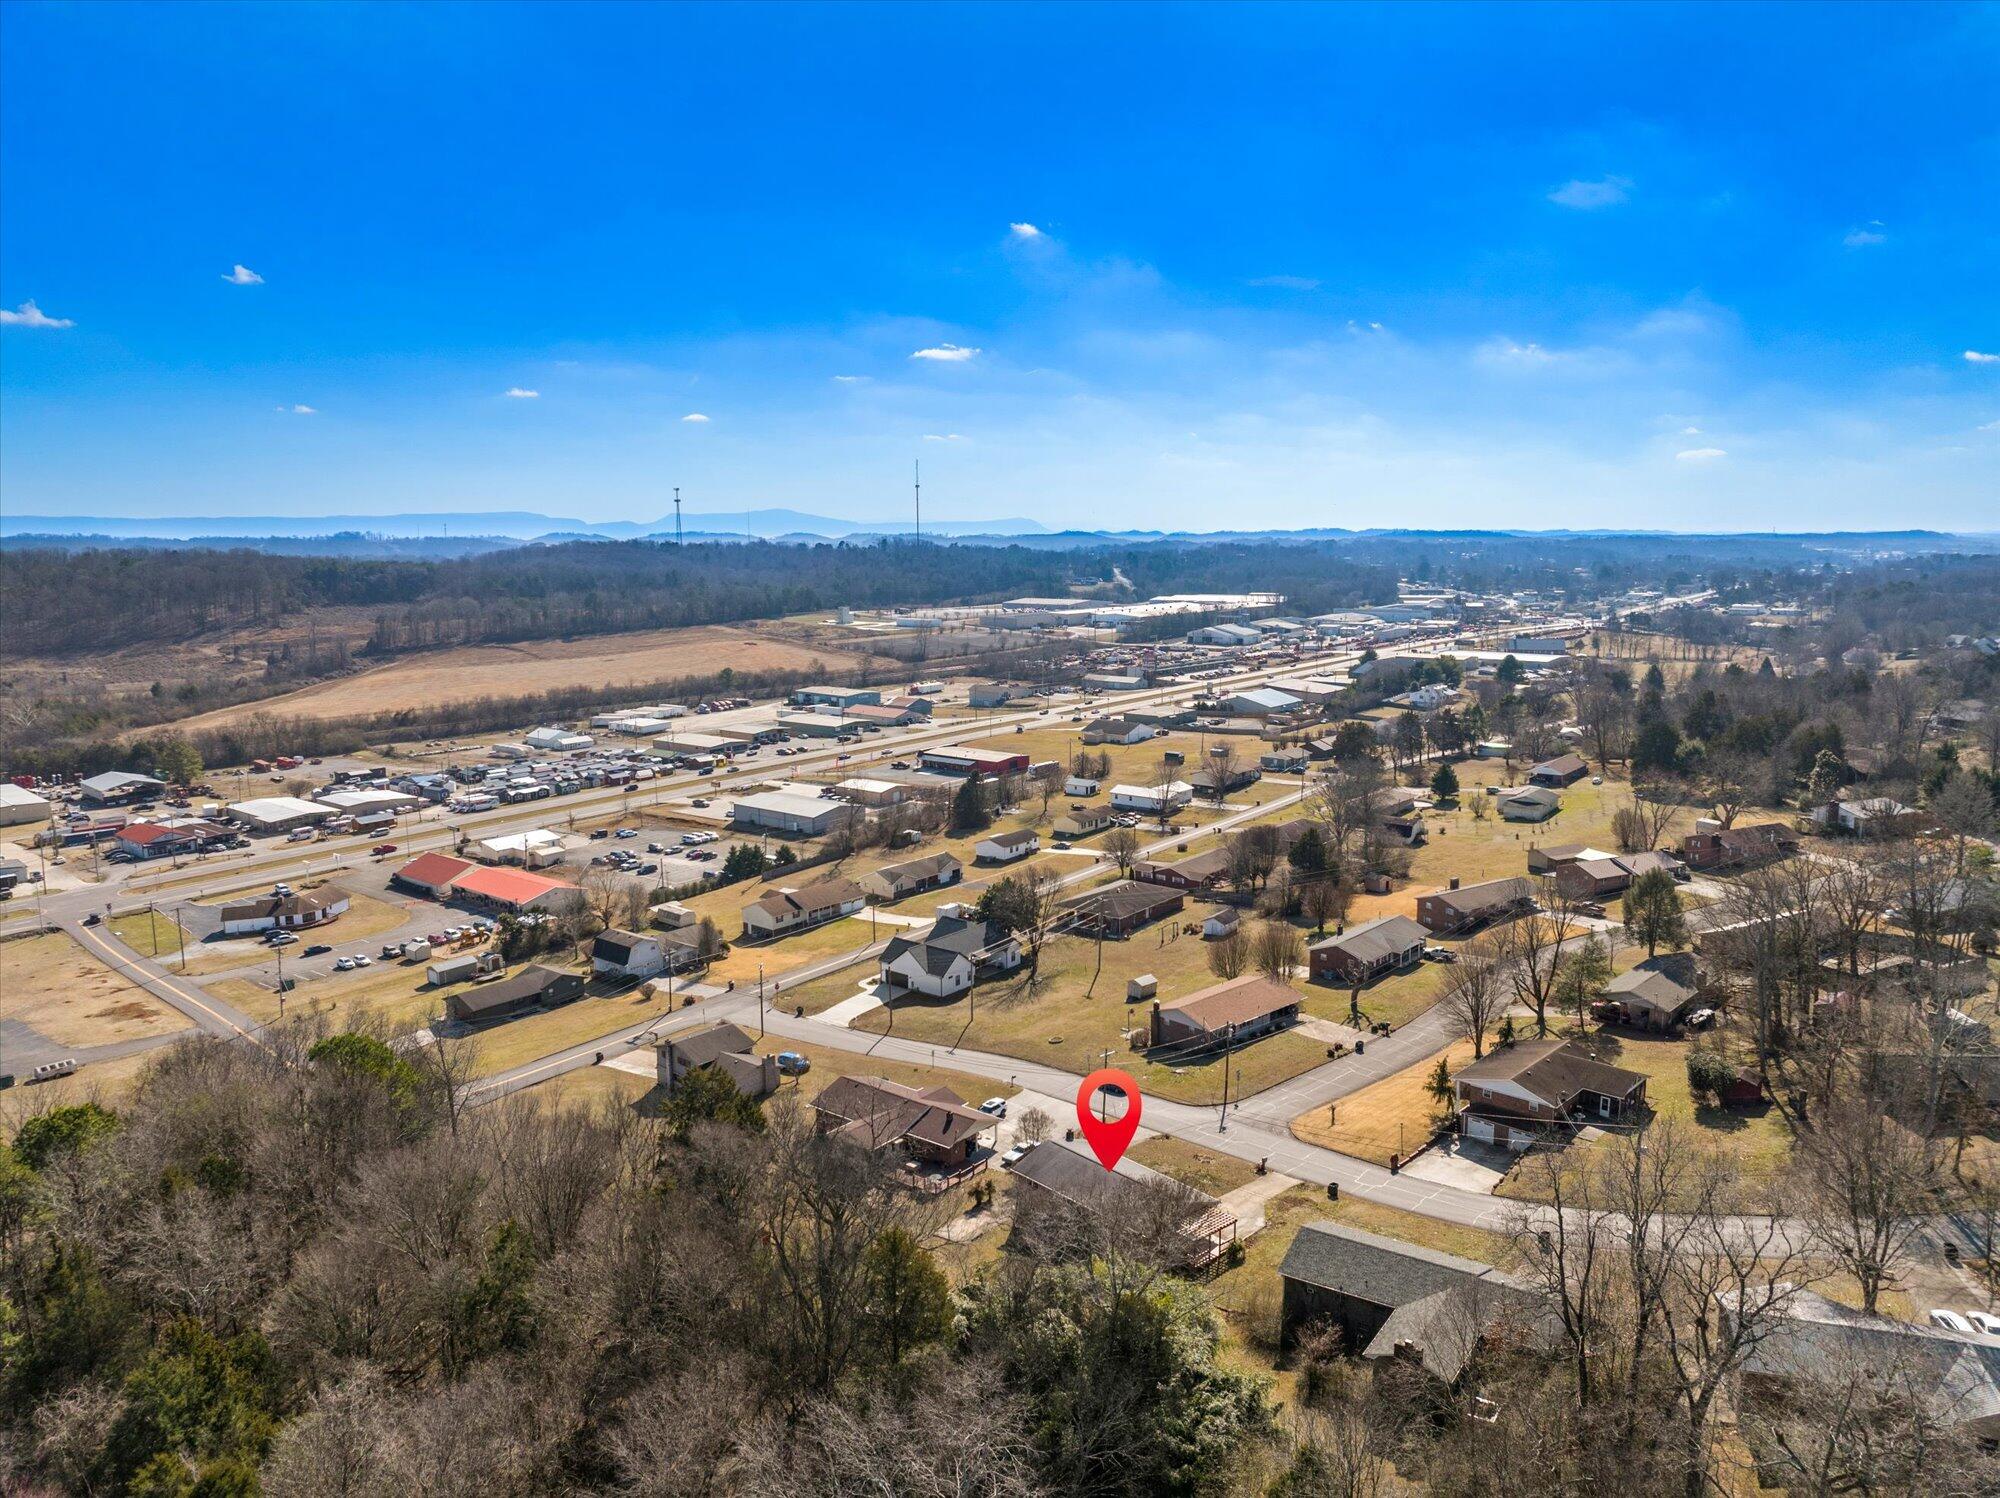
x=518 y=525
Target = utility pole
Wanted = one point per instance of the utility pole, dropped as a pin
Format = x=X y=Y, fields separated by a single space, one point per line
x=760 y=1001
x=677 y=515
x=1228 y=1034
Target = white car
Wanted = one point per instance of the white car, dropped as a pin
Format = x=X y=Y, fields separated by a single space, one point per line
x=362 y=959
x=344 y=965
x=994 y=1107
x=1951 y=1321
x=1986 y=1321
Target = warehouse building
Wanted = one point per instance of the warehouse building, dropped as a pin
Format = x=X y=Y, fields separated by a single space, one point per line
x=794 y=812
x=272 y=814
x=969 y=759
x=116 y=787
x=837 y=697
x=513 y=890
x=18 y=805
x=368 y=802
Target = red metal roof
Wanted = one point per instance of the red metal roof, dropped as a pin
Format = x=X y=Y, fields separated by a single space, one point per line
x=510 y=886
x=433 y=869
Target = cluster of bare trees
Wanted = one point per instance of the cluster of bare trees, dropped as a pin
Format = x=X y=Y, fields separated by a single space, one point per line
x=306 y=1265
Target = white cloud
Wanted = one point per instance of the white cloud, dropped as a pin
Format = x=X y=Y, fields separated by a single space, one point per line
x=1990 y=426
x=695 y=416
x=1972 y=355
x=1605 y=191
x=1287 y=283
x=31 y=316
x=850 y=379
x=1505 y=353
x=1690 y=431
x=946 y=353
x=516 y=393
x=942 y=437
x=242 y=275
x=299 y=410
x=1701 y=455
x=1024 y=231
x=1867 y=234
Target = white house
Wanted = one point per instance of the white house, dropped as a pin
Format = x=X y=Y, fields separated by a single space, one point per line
x=1005 y=847
x=1426 y=698
x=1080 y=785
x=1152 y=800
x=950 y=957
x=786 y=910
x=627 y=954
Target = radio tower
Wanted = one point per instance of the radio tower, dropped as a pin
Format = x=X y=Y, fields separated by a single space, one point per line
x=918 y=466
x=677 y=515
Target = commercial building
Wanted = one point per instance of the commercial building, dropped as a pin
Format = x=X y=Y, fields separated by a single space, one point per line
x=170 y=839
x=558 y=740
x=514 y=890
x=795 y=812
x=272 y=814
x=116 y=787
x=430 y=874
x=534 y=849
x=313 y=907
x=1262 y=702
x=970 y=759
x=814 y=725
x=19 y=804
x=836 y=697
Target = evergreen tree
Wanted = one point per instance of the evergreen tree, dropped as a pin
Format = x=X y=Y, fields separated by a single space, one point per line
x=1444 y=784
x=969 y=811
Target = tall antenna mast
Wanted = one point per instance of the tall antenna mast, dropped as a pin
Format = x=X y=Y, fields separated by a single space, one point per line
x=918 y=466
x=677 y=514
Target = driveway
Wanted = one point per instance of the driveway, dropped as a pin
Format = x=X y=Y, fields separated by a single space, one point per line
x=1464 y=1164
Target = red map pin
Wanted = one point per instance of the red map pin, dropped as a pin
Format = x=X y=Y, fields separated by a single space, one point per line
x=1108 y=1137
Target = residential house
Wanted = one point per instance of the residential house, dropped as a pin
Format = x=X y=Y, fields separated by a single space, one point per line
x=1515 y=1095
x=1389 y=1297
x=1427 y=698
x=1082 y=821
x=1202 y=871
x=1713 y=846
x=719 y=1047
x=1867 y=1360
x=640 y=954
x=1232 y=1012
x=1532 y=803
x=898 y=881
x=783 y=911
x=1878 y=816
x=1117 y=910
x=1152 y=800
x=534 y=987
x=1117 y=731
x=1283 y=761
x=932 y=1125
x=1368 y=951
x=1563 y=770
x=308 y=908
x=1059 y=1174
x=947 y=958
x=1657 y=994
x=1446 y=912
x=1550 y=858
x=1206 y=782
x=1007 y=847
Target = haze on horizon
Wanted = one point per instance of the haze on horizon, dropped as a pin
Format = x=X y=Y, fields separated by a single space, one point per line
x=1655 y=267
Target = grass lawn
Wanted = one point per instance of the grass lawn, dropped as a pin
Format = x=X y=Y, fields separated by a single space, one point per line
x=60 y=990
x=105 y=1083
x=217 y=955
x=1205 y=1170
x=1392 y=1116
x=1756 y=1141
x=1071 y=1020
x=1395 y=1000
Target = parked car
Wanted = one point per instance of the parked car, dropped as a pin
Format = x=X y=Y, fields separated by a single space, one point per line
x=93 y=919
x=597 y=832
x=1951 y=1321
x=1986 y=1321
x=282 y=938
x=1440 y=954
x=994 y=1107
x=656 y=847
x=628 y=832
x=382 y=849
x=391 y=950
x=344 y=965
x=362 y=959
x=1013 y=1156
x=318 y=949
x=792 y=1064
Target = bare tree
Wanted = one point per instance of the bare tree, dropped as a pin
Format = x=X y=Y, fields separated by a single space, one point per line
x=1869 y=1187
x=1728 y=782
x=1121 y=845
x=1534 y=950
x=1280 y=950
x=1325 y=899
x=1229 y=955
x=1221 y=768
x=1476 y=993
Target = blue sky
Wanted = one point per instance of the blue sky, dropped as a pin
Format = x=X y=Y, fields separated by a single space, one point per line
x=1716 y=267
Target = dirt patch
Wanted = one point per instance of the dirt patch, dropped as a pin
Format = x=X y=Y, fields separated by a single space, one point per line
x=57 y=989
x=471 y=672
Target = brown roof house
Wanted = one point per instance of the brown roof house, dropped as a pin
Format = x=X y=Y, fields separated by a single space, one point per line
x=897 y=881
x=533 y=987
x=722 y=1047
x=1657 y=993
x=783 y=911
x=1713 y=846
x=1117 y=910
x=1059 y=1172
x=1202 y=871
x=933 y=1125
x=1563 y=770
x=1446 y=912
x=312 y=907
x=1368 y=951
x=1518 y=1094
x=1232 y=1012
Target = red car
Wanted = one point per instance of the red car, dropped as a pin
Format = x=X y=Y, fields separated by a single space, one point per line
x=381 y=848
